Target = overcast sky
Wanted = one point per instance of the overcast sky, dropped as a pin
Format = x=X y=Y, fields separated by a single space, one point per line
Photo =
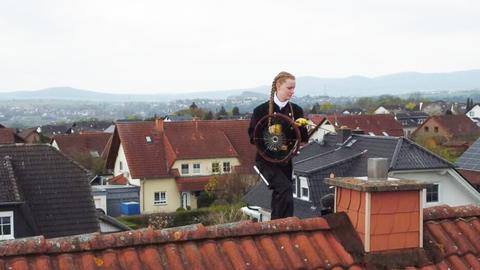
x=127 y=46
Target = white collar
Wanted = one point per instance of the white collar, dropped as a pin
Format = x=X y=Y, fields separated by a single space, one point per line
x=278 y=102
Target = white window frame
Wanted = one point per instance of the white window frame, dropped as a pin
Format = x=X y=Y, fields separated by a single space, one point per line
x=304 y=184
x=196 y=170
x=218 y=171
x=12 y=228
x=438 y=195
x=229 y=167
x=181 y=168
x=160 y=201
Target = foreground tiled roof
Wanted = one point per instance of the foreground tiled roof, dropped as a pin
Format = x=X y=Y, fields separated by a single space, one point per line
x=282 y=244
x=83 y=144
x=55 y=190
x=451 y=241
x=453 y=233
x=376 y=124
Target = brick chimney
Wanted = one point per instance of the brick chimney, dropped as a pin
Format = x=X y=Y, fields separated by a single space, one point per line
x=387 y=213
x=159 y=124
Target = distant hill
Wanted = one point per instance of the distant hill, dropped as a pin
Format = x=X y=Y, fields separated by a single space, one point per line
x=398 y=84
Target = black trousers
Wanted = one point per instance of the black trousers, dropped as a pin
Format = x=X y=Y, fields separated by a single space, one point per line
x=281 y=185
x=282 y=204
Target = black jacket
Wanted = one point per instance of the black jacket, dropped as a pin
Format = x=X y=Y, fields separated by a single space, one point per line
x=262 y=110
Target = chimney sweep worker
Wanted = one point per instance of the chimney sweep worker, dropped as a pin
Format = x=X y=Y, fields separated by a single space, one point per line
x=279 y=175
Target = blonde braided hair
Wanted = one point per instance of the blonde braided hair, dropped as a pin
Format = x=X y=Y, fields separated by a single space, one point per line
x=281 y=77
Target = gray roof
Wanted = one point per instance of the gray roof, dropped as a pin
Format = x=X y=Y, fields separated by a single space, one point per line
x=54 y=188
x=470 y=159
x=318 y=160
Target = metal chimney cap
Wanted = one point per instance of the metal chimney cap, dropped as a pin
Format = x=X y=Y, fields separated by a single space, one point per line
x=377 y=169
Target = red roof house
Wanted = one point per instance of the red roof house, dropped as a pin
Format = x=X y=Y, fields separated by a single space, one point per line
x=376 y=125
x=178 y=158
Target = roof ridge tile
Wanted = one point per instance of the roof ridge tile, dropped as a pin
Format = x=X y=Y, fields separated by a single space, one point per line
x=97 y=241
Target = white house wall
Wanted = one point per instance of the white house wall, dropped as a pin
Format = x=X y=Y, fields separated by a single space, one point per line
x=125 y=170
x=453 y=190
x=205 y=165
x=321 y=131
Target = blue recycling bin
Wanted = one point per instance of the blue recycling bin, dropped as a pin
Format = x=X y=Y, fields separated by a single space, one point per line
x=130 y=208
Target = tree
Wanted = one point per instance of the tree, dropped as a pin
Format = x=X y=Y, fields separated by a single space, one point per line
x=221 y=113
x=235 y=111
x=327 y=106
x=410 y=105
x=315 y=108
x=208 y=116
x=193 y=106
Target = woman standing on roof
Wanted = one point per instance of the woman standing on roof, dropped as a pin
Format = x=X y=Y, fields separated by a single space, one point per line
x=279 y=175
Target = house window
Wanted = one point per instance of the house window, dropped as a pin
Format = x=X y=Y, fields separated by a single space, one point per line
x=185 y=168
x=6 y=225
x=435 y=129
x=196 y=167
x=148 y=139
x=304 y=191
x=215 y=167
x=120 y=165
x=226 y=167
x=432 y=193
x=426 y=129
x=471 y=113
x=160 y=197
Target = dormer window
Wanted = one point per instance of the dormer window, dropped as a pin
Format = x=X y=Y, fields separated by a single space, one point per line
x=6 y=225
x=304 y=190
x=148 y=139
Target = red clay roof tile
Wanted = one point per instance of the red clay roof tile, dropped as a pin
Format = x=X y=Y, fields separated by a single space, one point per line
x=282 y=244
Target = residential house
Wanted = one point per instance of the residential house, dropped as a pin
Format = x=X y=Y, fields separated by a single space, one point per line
x=31 y=135
x=9 y=136
x=346 y=155
x=323 y=126
x=390 y=231
x=388 y=109
x=474 y=113
x=84 y=147
x=77 y=127
x=438 y=107
x=353 y=111
x=468 y=164
x=172 y=161
x=410 y=120
x=374 y=125
x=456 y=131
x=43 y=193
